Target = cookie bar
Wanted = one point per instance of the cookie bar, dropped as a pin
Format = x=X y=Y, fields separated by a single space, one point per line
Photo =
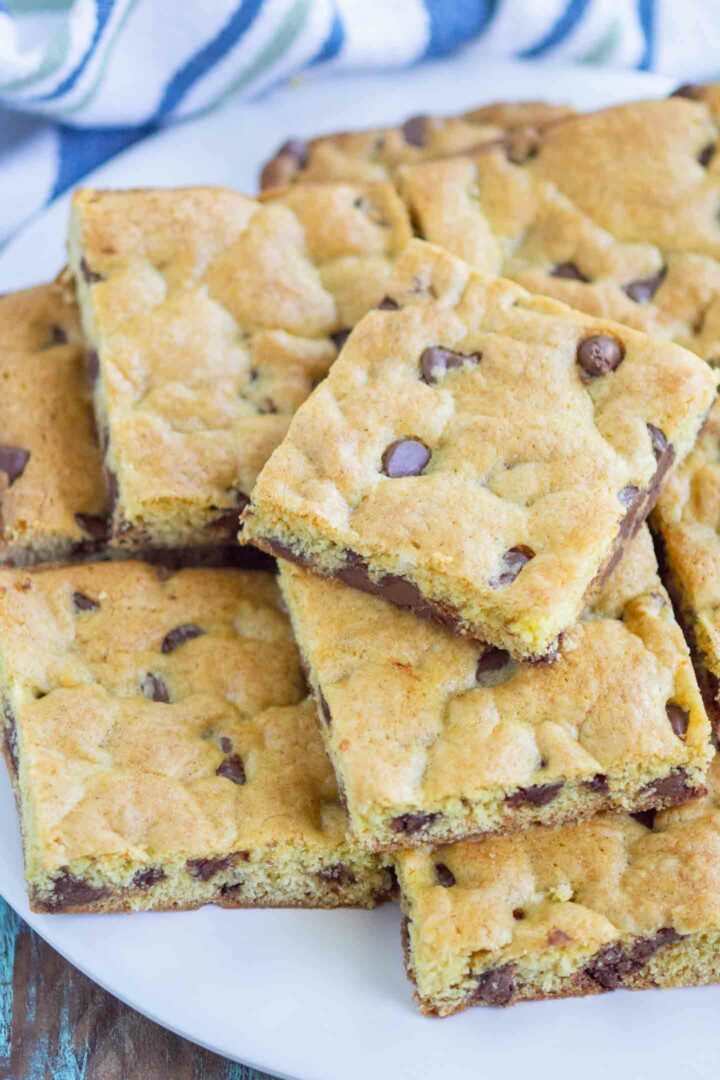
x=435 y=740
x=376 y=153
x=480 y=454
x=161 y=749
x=53 y=501
x=211 y=317
x=686 y=521
x=614 y=902
x=613 y=212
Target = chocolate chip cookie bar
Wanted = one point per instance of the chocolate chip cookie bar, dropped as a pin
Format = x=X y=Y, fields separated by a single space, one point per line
x=211 y=317
x=434 y=739
x=375 y=154
x=479 y=454
x=613 y=212
x=53 y=501
x=581 y=909
x=686 y=522
x=162 y=753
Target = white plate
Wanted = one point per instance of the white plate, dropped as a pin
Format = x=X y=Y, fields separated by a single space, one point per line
x=322 y=995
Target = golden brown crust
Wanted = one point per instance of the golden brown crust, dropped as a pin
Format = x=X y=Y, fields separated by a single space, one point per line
x=613 y=212
x=687 y=519
x=419 y=729
x=213 y=316
x=375 y=154
x=158 y=728
x=538 y=471
x=560 y=912
x=58 y=502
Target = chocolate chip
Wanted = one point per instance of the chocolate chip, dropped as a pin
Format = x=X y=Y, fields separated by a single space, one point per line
x=405 y=940
x=229 y=519
x=226 y=745
x=521 y=144
x=617 y=962
x=337 y=874
x=145 y=879
x=13 y=460
x=496 y=986
x=536 y=795
x=178 y=636
x=645 y=817
x=155 y=688
x=92 y=365
x=231 y=890
x=401 y=592
x=628 y=495
x=679 y=718
x=112 y=486
x=405 y=457
x=232 y=768
x=643 y=290
x=598 y=784
x=511 y=565
x=706 y=155
x=412 y=823
x=388 y=304
x=295 y=148
x=444 y=875
x=492 y=660
x=599 y=354
x=68 y=891
x=10 y=733
x=658 y=440
x=608 y=967
x=339 y=338
x=672 y=788
x=570 y=271
x=324 y=708
x=94 y=525
x=204 y=869
x=56 y=335
x=415 y=130
x=81 y=602
x=436 y=361
x=687 y=90
x=91 y=276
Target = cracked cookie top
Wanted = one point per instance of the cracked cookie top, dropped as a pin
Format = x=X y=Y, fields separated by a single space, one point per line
x=375 y=154
x=688 y=519
x=484 y=444
x=548 y=900
x=213 y=315
x=158 y=716
x=418 y=718
x=52 y=493
x=614 y=212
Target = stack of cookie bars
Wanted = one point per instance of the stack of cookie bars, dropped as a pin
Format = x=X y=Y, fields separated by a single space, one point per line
x=442 y=373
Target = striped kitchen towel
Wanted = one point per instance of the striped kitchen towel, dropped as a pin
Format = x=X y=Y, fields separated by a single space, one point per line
x=82 y=79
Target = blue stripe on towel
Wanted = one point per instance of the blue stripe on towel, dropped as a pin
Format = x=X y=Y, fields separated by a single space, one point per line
x=333 y=42
x=646 y=15
x=104 y=9
x=562 y=27
x=206 y=58
x=80 y=151
x=452 y=24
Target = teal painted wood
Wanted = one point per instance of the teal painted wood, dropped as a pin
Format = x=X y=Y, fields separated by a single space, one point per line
x=55 y=1024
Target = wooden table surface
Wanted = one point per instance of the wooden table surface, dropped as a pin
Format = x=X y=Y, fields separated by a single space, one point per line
x=55 y=1024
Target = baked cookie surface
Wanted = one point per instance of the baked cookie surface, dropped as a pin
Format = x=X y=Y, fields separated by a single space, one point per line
x=434 y=738
x=161 y=748
x=479 y=454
